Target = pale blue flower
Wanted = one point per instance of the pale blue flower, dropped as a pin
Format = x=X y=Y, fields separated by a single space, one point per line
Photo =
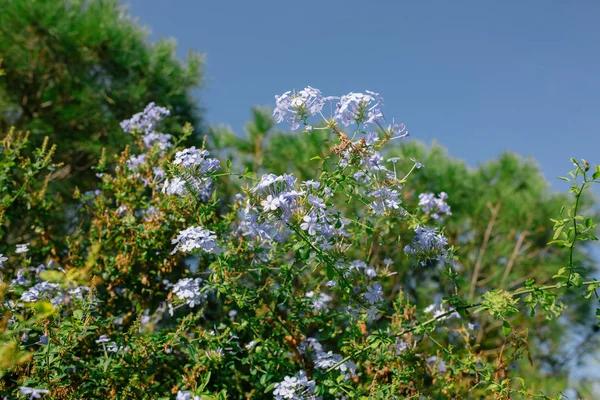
x=185 y=395
x=418 y=165
x=33 y=392
x=146 y=120
x=189 y=290
x=374 y=293
x=295 y=388
x=135 y=162
x=359 y=108
x=429 y=244
x=435 y=206
x=298 y=107
x=397 y=131
x=193 y=238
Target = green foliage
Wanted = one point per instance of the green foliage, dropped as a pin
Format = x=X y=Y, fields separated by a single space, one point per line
x=27 y=212
x=112 y=322
x=73 y=69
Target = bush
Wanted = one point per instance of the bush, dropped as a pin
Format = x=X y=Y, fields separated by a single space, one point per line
x=191 y=277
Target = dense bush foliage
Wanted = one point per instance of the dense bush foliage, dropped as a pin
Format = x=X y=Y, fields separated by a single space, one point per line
x=327 y=263
x=75 y=68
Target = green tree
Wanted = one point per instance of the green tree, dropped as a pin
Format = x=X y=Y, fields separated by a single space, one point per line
x=73 y=69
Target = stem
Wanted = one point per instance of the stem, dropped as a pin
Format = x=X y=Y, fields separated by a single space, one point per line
x=575 y=233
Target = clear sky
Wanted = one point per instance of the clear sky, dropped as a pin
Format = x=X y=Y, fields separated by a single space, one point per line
x=479 y=77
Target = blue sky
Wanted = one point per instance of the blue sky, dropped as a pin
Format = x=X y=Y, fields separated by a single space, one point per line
x=479 y=77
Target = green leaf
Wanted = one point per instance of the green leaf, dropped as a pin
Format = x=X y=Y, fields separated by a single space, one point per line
x=78 y=314
x=506 y=328
x=53 y=276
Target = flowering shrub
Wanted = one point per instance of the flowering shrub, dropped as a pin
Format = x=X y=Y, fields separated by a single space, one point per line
x=188 y=277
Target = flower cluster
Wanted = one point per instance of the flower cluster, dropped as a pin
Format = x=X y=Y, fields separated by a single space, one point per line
x=297 y=107
x=193 y=175
x=193 y=238
x=434 y=206
x=325 y=360
x=193 y=158
x=359 y=108
x=281 y=199
x=146 y=122
x=429 y=244
x=44 y=290
x=135 y=162
x=112 y=346
x=295 y=388
x=189 y=290
x=363 y=109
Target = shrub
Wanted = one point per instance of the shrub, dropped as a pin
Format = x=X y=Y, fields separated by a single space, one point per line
x=343 y=284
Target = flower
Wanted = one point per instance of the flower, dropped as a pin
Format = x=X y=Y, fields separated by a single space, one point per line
x=359 y=108
x=163 y=140
x=400 y=346
x=22 y=248
x=310 y=345
x=270 y=203
x=112 y=347
x=195 y=237
x=193 y=175
x=434 y=206
x=185 y=395
x=33 y=392
x=429 y=244
x=441 y=365
x=397 y=131
x=298 y=107
x=385 y=199
x=438 y=311
x=44 y=290
x=418 y=165
x=188 y=290
x=374 y=293
x=319 y=301
x=310 y=224
x=146 y=120
x=197 y=159
x=326 y=360
x=372 y=314
x=103 y=339
x=295 y=387
x=135 y=162
x=2 y=259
